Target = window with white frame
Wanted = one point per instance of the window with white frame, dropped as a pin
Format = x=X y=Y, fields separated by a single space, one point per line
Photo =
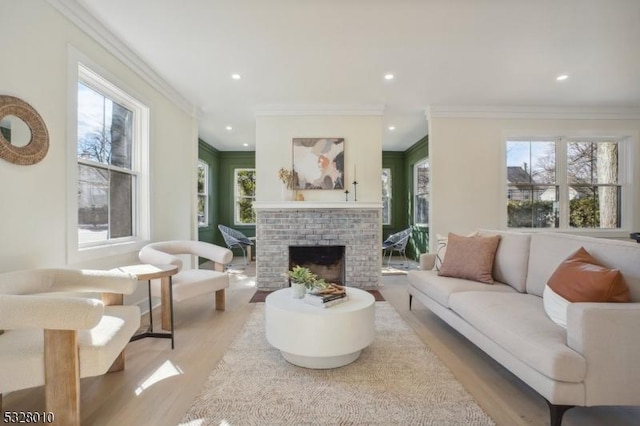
x=112 y=137
x=421 y=193
x=245 y=196
x=386 y=196
x=564 y=183
x=203 y=193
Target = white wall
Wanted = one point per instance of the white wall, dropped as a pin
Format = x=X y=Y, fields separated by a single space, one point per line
x=34 y=198
x=363 y=149
x=467 y=160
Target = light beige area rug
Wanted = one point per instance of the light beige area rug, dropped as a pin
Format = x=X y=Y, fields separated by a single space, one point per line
x=396 y=380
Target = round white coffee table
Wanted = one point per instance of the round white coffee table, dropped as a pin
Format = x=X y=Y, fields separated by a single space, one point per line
x=315 y=337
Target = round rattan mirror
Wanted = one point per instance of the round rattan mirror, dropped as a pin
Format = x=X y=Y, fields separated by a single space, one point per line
x=37 y=135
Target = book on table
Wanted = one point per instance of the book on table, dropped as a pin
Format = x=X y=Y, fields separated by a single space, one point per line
x=323 y=298
x=308 y=299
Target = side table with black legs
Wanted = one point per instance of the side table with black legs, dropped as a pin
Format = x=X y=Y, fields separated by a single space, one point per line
x=147 y=272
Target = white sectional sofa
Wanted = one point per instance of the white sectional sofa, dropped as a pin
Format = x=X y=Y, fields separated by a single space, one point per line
x=593 y=362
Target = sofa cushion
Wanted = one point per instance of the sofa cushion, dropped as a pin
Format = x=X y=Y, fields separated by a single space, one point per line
x=470 y=257
x=441 y=288
x=512 y=258
x=517 y=322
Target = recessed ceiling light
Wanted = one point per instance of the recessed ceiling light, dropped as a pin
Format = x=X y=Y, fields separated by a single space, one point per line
x=562 y=77
x=245 y=144
x=229 y=128
x=389 y=76
x=235 y=76
x=391 y=128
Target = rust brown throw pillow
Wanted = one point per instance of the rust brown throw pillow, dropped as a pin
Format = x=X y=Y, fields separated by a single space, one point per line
x=470 y=258
x=580 y=278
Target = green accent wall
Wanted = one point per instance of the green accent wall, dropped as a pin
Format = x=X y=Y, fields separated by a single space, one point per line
x=222 y=165
x=394 y=160
x=211 y=156
x=229 y=161
x=401 y=164
x=419 y=242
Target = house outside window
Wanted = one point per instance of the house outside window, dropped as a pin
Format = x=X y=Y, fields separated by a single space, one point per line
x=386 y=196
x=111 y=142
x=565 y=183
x=203 y=194
x=421 y=188
x=244 y=196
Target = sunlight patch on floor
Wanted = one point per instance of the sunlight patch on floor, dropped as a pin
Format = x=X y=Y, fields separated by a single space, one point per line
x=200 y=422
x=166 y=370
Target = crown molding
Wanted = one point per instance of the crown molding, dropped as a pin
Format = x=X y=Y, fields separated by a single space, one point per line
x=83 y=19
x=532 y=112
x=318 y=109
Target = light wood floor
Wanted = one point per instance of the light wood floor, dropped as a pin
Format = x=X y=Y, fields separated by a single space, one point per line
x=159 y=384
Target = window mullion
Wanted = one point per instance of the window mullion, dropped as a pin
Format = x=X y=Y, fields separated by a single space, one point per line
x=562 y=182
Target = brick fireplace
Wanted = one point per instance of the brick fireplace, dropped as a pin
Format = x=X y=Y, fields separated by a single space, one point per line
x=356 y=226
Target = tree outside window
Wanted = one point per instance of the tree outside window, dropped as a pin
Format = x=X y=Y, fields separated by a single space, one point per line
x=588 y=195
x=106 y=176
x=245 y=196
x=421 y=188
x=386 y=196
x=531 y=184
x=203 y=194
x=592 y=175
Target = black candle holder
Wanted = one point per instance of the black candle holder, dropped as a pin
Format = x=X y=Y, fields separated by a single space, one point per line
x=346 y=195
x=355 y=190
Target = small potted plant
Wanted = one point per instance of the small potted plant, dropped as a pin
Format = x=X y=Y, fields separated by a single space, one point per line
x=301 y=279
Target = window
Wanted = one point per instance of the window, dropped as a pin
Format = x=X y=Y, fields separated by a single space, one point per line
x=531 y=184
x=111 y=137
x=386 y=196
x=245 y=196
x=593 y=184
x=421 y=188
x=564 y=183
x=203 y=194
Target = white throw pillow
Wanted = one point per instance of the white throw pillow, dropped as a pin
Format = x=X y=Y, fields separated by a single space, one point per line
x=441 y=250
x=555 y=306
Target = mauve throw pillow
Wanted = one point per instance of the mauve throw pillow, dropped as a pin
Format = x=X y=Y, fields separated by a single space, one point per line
x=580 y=278
x=470 y=258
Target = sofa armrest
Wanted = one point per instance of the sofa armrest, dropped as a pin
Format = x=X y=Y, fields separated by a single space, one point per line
x=606 y=334
x=212 y=252
x=165 y=251
x=149 y=254
x=427 y=261
x=49 y=312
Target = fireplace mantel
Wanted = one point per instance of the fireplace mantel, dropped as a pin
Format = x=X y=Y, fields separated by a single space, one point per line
x=315 y=205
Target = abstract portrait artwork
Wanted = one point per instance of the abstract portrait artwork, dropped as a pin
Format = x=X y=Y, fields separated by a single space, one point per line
x=319 y=163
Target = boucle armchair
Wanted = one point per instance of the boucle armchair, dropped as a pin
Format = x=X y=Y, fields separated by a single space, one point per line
x=188 y=283
x=53 y=337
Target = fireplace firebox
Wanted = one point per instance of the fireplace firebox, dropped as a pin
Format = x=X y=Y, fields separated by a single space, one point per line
x=326 y=262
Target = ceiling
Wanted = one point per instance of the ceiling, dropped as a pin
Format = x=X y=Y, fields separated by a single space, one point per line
x=333 y=53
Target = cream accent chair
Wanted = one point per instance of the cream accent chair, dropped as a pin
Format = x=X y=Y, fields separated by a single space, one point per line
x=53 y=337
x=188 y=283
